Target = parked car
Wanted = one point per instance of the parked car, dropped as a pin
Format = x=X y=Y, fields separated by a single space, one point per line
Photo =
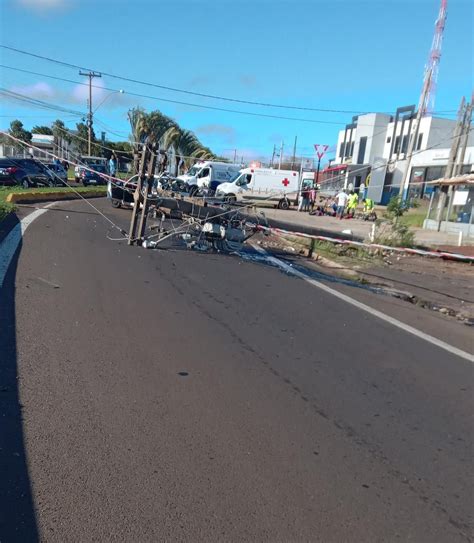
x=59 y=173
x=91 y=162
x=24 y=171
x=94 y=177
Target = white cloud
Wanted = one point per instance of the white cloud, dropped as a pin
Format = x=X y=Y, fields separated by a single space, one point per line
x=40 y=90
x=80 y=93
x=44 y=4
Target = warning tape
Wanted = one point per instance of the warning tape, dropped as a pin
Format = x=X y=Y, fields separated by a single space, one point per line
x=433 y=254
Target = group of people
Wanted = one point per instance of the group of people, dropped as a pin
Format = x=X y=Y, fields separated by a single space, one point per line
x=343 y=205
x=307 y=199
x=346 y=204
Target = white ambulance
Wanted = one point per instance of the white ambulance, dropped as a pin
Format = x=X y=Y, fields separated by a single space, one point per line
x=208 y=175
x=257 y=184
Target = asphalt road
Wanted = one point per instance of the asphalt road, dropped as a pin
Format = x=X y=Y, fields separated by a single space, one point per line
x=178 y=396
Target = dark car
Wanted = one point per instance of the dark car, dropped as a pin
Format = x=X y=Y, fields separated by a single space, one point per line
x=24 y=171
x=94 y=177
x=58 y=172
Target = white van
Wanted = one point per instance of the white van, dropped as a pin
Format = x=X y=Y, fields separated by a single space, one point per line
x=208 y=174
x=261 y=184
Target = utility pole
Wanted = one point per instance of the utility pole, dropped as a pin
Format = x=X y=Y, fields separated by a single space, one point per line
x=281 y=155
x=464 y=136
x=91 y=76
x=294 y=153
x=273 y=155
x=235 y=156
x=458 y=131
x=456 y=156
x=146 y=170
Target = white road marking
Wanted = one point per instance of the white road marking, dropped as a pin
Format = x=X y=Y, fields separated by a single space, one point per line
x=10 y=244
x=395 y=322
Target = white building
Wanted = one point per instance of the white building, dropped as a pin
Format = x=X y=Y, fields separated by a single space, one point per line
x=43 y=146
x=376 y=144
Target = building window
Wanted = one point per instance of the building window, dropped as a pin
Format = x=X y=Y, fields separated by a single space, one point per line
x=349 y=149
x=418 y=143
x=396 y=147
x=362 y=147
x=405 y=144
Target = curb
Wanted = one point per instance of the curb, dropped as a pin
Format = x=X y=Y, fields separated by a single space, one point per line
x=32 y=197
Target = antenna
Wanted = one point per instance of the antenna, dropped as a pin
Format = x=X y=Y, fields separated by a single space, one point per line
x=428 y=94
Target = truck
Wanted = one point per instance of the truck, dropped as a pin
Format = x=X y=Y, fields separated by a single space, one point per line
x=255 y=184
x=208 y=175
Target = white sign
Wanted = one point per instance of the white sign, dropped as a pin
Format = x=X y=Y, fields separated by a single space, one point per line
x=460 y=197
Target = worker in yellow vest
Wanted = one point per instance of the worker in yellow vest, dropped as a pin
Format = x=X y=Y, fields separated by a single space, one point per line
x=369 y=210
x=352 y=204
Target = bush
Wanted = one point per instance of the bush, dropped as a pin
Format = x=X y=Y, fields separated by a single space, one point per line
x=392 y=232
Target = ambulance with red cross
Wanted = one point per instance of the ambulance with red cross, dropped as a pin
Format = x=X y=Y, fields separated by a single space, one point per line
x=257 y=184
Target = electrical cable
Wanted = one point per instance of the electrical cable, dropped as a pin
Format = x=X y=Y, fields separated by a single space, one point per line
x=39 y=103
x=189 y=104
x=174 y=89
x=178 y=90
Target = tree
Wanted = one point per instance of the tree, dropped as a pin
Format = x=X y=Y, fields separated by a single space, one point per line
x=82 y=138
x=17 y=131
x=159 y=128
x=42 y=130
x=60 y=132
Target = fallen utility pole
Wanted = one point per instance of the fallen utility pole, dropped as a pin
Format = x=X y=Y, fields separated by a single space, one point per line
x=146 y=172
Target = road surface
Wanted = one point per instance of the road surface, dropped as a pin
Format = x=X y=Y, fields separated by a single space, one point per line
x=178 y=396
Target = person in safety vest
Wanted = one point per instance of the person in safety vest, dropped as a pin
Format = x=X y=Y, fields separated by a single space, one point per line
x=352 y=204
x=369 y=209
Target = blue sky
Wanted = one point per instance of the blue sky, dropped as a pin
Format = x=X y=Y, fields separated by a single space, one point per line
x=334 y=54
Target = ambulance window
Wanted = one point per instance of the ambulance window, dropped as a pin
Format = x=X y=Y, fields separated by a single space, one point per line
x=204 y=172
x=242 y=180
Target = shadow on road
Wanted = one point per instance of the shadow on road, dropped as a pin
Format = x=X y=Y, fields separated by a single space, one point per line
x=17 y=513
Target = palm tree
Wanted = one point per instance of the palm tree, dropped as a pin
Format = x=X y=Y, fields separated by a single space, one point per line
x=159 y=128
x=137 y=120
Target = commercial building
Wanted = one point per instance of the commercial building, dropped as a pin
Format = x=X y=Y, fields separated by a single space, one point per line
x=371 y=151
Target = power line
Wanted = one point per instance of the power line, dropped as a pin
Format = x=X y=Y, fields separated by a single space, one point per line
x=175 y=89
x=169 y=100
x=189 y=104
x=184 y=91
x=40 y=103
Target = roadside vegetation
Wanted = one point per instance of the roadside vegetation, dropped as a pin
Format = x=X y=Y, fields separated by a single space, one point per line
x=394 y=230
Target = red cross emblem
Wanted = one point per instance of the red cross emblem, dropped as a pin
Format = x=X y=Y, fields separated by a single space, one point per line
x=286 y=182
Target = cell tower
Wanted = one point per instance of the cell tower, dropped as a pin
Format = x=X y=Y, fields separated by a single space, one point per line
x=428 y=94
x=427 y=98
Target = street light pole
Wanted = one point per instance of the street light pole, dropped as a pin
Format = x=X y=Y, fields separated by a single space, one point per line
x=91 y=76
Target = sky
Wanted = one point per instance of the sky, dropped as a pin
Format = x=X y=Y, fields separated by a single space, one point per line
x=348 y=56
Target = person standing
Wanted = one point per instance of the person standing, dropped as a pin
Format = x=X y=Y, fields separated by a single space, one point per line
x=352 y=204
x=312 y=198
x=304 y=199
x=112 y=166
x=341 y=200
